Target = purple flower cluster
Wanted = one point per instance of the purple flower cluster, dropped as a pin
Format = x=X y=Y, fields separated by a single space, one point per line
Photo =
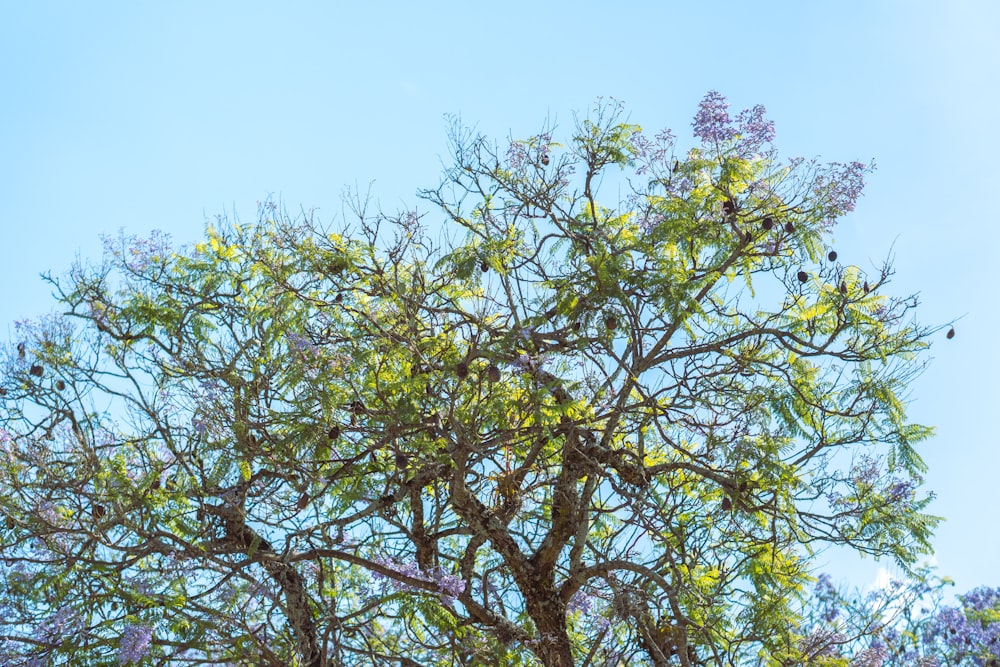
x=139 y=253
x=135 y=643
x=651 y=154
x=516 y=154
x=873 y=656
x=539 y=145
x=822 y=642
x=580 y=602
x=713 y=125
x=450 y=585
x=971 y=631
x=754 y=130
x=827 y=598
x=66 y=622
x=840 y=187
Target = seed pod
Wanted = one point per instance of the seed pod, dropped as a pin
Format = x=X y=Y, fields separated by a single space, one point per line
x=155 y=486
x=545 y=159
x=832 y=256
x=767 y=223
x=484 y=267
x=677 y=165
x=789 y=227
x=35 y=370
x=340 y=297
x=3 y=391
x=803 y=276
x=951 y=333
x=611 y=322
x=843 y=287
x=60 y=385
x=493 y=372
x=729 y=207
x=727 y=504
x=577 y=325
x=10 y=522
x=20 y=350
x=866 y=287
x=462 y=370
x=333 y=433
x=401 y=460
x=303 y=501
x=358 y=408
x=98 y=512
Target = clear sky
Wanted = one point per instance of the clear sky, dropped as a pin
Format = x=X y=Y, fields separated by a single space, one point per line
x=142 y=115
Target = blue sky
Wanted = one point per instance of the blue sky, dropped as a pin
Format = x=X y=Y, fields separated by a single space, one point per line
x=160 y=115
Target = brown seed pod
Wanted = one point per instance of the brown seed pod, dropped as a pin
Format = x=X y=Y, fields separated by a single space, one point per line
x=333 y=433
x=677 y=165
x=340 y=297
x=803 y=276
x=866 y=287
x=767 y=223
x=611 y=322
x=3 y=391
x=358 y=408
x=36 y=370
x=20 y=350
x=843 y=288
x=60 y=385
x=303 y=501
x=951 y=333
x=789 y=227
x=462 y=370
x=401 y=460
x=484 y=267
x=493 y=372
x=155 y=486
x=729 y=207
x=10 y=522
x=727 y=504
x=832 y=256
x=545 y=159
x=98 y=512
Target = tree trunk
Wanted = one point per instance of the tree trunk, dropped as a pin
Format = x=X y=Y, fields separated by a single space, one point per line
x=548 y=611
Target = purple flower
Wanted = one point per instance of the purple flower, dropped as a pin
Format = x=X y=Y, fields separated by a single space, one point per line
x=516 y=154
x=580 y=602
x=63 y=624
x=138 y=253
x=873 y=656
x=199 y=425
x=652 y=154
x=826 y=594
x=840 y=187
x=300 y=343
x=754 y=130
x=451 y=586
x=135 y=643
x=711 y=123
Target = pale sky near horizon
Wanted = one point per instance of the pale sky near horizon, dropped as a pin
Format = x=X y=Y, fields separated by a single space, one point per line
x=138 y=116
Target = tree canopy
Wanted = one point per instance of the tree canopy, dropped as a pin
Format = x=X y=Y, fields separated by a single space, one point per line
x=596 y=403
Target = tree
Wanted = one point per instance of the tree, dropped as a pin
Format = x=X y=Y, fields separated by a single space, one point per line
x=574 y=430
